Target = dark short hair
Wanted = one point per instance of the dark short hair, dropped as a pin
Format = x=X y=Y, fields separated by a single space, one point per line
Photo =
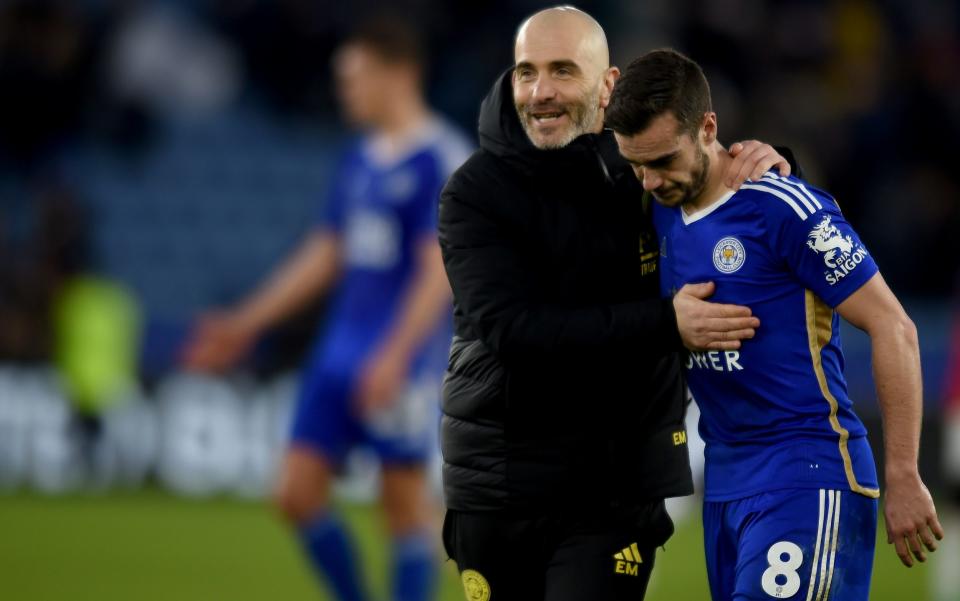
x=659 y=82
x=393 y=39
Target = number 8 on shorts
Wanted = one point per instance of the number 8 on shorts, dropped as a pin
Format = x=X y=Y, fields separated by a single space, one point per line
x=781 y=578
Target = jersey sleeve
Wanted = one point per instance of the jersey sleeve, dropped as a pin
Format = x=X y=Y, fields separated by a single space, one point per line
x=445 y=156
x=333 y=209
x=810 y=233
x=421 y=211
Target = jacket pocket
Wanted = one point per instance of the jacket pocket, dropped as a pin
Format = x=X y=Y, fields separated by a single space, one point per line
x=473 y=387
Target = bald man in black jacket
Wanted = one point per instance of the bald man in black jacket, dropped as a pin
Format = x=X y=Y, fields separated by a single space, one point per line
x=563 y=426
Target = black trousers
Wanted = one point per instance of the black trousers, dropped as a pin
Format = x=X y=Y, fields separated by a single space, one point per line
x=586 y=555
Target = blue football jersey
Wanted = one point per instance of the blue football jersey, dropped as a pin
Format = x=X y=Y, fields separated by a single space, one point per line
x=774 y=414
x=382 y=204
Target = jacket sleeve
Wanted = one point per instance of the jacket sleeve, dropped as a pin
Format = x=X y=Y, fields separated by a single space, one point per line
x=494 y=287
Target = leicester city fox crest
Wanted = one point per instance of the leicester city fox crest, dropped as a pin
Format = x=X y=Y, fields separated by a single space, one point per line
x=840 y=253
x=729 y=255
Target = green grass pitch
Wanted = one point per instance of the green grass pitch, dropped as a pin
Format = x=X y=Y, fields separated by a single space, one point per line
x=149 y=546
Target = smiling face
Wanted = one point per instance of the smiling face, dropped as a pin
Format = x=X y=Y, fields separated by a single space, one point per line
x=561 y=80
x=672 y=165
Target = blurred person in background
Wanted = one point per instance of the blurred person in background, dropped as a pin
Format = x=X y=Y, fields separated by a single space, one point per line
x=373 y=378
x=44 y=243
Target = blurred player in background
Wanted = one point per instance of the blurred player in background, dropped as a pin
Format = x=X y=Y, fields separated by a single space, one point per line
x=373 y=378
x=791 y=486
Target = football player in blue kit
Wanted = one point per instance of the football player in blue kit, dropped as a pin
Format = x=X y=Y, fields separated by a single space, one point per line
x=791 y=493
x=374 y=377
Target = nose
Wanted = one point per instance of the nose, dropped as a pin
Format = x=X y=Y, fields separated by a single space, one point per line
x=651 y=180
x=543 y=90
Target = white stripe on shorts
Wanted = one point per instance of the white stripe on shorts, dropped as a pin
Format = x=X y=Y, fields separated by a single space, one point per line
x=833 y=545
x=824 y=558
x=816 y=549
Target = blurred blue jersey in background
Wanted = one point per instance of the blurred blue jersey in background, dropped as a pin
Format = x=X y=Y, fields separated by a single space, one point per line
x=382 y=204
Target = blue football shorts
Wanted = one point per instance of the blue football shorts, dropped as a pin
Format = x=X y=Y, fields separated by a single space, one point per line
x=326 y=419
x=804 y=544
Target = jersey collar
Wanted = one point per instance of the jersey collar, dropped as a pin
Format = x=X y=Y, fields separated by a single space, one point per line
x=698 y=215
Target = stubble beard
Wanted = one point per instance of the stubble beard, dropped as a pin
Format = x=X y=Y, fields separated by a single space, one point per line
x=583 y=115
x=698 y=178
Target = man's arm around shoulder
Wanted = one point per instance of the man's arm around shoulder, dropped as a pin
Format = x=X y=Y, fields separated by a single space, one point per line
x=492 y=274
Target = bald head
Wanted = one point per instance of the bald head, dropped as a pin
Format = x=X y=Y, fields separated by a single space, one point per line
x=562 y=78
x=564 y=31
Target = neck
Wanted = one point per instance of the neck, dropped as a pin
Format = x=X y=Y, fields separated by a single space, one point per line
x=713 y=188
x=598 y=125
x=406 y=114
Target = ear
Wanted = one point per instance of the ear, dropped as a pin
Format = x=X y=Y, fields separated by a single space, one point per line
x=610 y=77
x=708 y=128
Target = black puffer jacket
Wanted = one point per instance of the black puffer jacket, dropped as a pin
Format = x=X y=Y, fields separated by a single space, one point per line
x=564 y=385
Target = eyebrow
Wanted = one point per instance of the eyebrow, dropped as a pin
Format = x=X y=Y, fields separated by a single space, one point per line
x=553 y=65
x=659 y=161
